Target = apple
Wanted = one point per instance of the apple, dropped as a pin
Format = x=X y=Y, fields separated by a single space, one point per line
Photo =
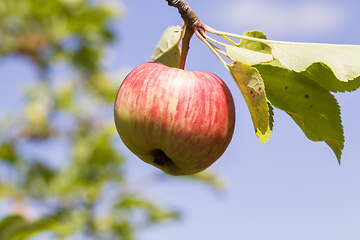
x=179 y=121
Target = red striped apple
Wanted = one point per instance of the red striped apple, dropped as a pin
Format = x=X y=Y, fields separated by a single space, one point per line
x=179 y=121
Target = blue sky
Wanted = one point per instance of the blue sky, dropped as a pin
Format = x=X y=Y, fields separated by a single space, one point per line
x=287 y=188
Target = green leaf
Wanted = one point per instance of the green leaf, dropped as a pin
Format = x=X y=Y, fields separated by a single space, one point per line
x=311 y=106
x=168 y=51
x=271 y=116
x=255 y=46
x=210 y=178
x=344 y=60
x=38 y=177
x=250 y=52
x=252 y=88
x=154 y=213
x=321 y=73
x=8 y=151
x=16 y=228
x=246 y=56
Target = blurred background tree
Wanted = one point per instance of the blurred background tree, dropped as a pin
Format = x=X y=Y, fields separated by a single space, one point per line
x=80 y=190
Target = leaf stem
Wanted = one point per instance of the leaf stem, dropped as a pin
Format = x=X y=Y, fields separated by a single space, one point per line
x=225 y=35
x=219 y=43
x=213 y=40
x=229 y=40
x=260 y=40
x=199 y=34
x=220 y=51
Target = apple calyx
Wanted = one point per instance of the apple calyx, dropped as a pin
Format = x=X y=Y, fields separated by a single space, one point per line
x=160 y=157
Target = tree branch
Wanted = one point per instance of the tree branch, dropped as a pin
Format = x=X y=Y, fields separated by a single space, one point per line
x=187 y=14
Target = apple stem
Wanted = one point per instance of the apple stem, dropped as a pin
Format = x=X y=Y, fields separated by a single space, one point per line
x=191 y=22
x=185 y=46
x=193 y=25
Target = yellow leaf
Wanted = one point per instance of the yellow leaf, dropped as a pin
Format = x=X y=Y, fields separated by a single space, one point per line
x=252 y=88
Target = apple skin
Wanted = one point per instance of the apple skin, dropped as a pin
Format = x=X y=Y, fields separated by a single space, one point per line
x=179 y=121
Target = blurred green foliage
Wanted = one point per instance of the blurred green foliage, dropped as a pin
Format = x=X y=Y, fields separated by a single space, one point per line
x=75 y=33
x=69 y=30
